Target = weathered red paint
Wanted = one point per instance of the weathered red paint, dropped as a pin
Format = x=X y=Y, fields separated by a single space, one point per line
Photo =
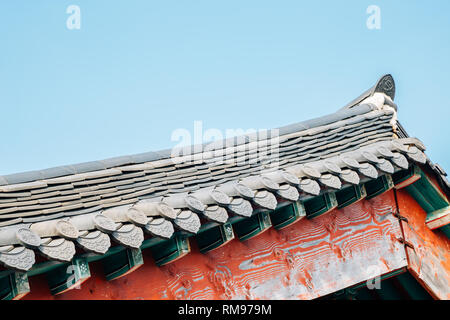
x=309 y=259
x=429 y=261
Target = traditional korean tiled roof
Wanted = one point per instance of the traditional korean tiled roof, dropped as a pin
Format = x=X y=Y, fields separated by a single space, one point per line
x=122 y=200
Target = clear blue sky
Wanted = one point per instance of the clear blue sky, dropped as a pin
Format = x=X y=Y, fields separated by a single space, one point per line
x=137 y=70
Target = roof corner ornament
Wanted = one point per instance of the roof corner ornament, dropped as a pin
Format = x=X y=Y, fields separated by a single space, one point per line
x=386 y=85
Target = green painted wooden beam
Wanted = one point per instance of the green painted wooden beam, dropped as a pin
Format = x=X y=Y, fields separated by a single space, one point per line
x=412 y=286
x=68 y=276
x=320 y=205
x=446 y=230
x=252 y=226
x=387 y=290
x=378 y=186
x=420 y=198
x=427 y=195
x=398 y=284
x=214 y=238
x=44 y=267
x=349 y=195
x=385 y=276
x=170 y=250
x=288 y=215
x=122 y=263
x=14 y=286
x=438 y=219
x=406 y=177
x=433 y=202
